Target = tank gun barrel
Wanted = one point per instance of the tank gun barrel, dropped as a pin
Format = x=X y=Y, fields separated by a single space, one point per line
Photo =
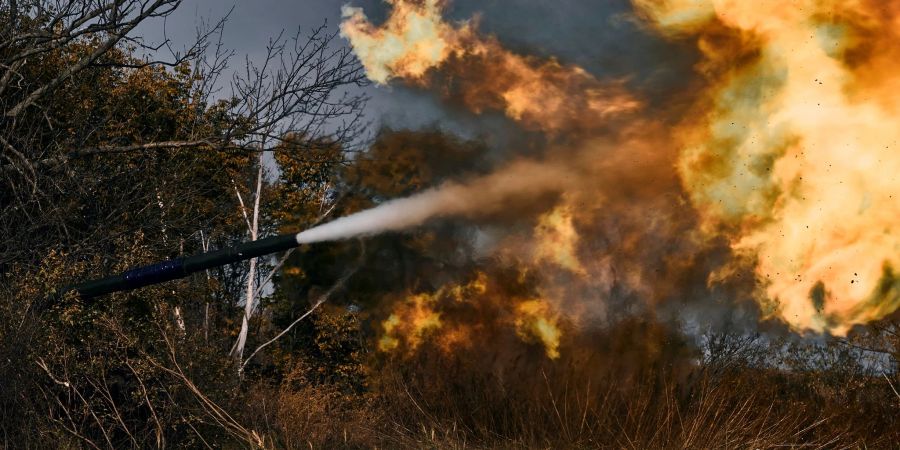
x=174 y=269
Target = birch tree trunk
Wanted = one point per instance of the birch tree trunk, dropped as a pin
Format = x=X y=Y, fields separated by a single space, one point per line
x=238 y=351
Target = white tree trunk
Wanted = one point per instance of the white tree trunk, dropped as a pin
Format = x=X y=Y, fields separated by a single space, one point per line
x=204 y=243
x=250 y=303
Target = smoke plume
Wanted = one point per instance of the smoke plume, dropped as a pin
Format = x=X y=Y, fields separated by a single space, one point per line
x=515 y=182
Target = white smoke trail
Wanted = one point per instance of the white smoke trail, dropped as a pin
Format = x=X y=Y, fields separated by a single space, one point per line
x=481 y=195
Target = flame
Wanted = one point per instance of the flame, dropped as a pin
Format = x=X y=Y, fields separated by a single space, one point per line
x=411 y=41
x=795 y=152
x=459 y=316
x=410 y=323
x=542 y=94
x=534 y=321
x=557 y=240
x=417 y=317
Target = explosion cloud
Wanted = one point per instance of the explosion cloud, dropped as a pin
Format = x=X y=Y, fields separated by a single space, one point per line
x=778 y=186
x=795 y=151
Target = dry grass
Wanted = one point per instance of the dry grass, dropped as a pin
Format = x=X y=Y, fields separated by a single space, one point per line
x=415 y=406
x=435 y=400
x=707 y=415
